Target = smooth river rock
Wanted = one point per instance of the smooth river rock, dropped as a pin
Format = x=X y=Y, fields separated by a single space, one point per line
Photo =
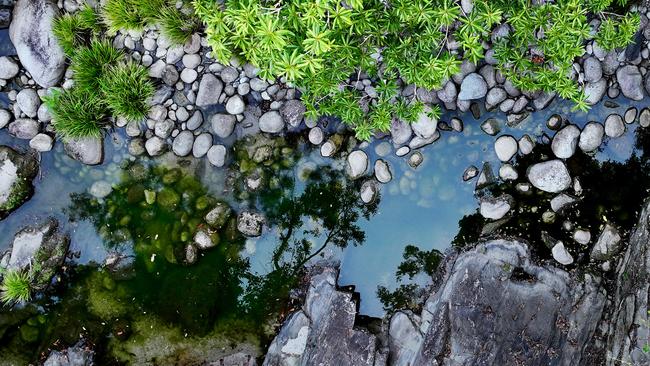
x=549 y=176
x=36 y=46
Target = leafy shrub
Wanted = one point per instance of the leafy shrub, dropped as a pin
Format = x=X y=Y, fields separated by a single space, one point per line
x=326 y=46
x=125 y=89
x=16 y=287
x=76 y=113
x=614 y=33
x=89 y=63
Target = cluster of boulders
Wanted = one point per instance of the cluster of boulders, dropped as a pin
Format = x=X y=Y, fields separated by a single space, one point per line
x=494 y=304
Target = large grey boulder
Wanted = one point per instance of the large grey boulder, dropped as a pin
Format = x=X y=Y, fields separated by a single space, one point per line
x=16 y=174
x=40 y=249
x=88 y=150
x=36 y=46
x=626 y=317
x=496 y=307
x=323 y=331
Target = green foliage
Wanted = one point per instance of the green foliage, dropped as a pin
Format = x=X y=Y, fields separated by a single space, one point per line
x=136 y=14
x=124 y=15
x=126 y=90
x=103 y=83
x=76 y=113
x=615 y=33
x=89 y=64
x=323 y=46
x=176 y=26
x=16 y=287
x=74 y=30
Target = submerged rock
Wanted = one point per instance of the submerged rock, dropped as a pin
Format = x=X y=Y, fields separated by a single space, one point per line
x=77 y=355
x=16 y=174
x=561 y=255
x=89 y=150
x=250 y=223
x=608 y=244
x=36 y=46
x=614 y=126
x=549 y=176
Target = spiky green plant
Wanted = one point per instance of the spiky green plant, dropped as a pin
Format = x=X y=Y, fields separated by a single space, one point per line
x=16 y=287
x=75 y=30
x=176 y=26
x=123 y=15
x=89 y=63
x=126 y=89
x=77 y=113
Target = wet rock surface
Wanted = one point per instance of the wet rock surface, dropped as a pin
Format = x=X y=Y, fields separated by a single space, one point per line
x=323 y=331
x=16 y=174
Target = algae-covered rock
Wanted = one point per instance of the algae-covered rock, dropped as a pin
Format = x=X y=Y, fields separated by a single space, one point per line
x=40 y=249
x=16 y=174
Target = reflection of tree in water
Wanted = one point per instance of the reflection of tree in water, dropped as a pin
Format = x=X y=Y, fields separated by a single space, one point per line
x=410 y=295
x=324 y=213
x=611 y=192
x=157 y=211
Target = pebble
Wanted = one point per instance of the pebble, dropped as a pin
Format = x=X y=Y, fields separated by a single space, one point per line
x=223 y=125
x=235 y=105
x=508 y=173
x=582 y=236
x=316 y=136
x=41 y=142
x=491 y=126
x=614 y=126
x=505 y=147
x=495 y=208
x=202 y=144
x=549 y=176
x=565 y=141
x=217 y=155
x=189 y=75
x=470 y=173
x=155 y=146
x=357 y=164
x=183 y=143
x=644 y=118
x=561 y=255
x=5 y=117
x=591 y=136
x=271 y=122
x=368 y=191
x=382 y=171
x=526 y=144
x=8 y=68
